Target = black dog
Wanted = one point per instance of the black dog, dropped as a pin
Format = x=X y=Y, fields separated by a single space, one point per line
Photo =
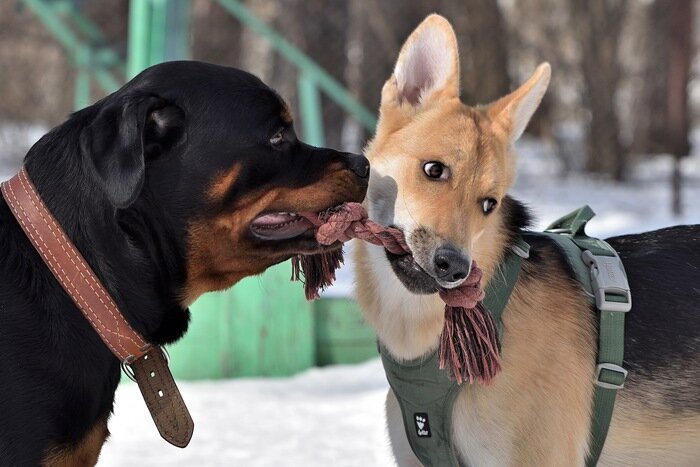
x=184 y=181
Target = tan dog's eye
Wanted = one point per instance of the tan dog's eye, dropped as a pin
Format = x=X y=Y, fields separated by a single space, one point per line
x=278 y=138
x=488 y=205
x=436 y=170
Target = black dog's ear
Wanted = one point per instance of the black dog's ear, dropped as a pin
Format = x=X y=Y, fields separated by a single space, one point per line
x=122 y=136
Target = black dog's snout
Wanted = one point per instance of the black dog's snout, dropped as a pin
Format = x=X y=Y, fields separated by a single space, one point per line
x=451 y=264
x=358 y=164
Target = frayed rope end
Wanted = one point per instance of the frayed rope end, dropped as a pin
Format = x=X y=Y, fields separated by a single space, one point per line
x=469 y=346
x=316 y=272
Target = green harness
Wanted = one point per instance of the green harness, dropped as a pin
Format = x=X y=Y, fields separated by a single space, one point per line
x=425 y=393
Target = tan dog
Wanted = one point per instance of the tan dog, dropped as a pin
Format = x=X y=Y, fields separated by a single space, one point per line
x=440 y=172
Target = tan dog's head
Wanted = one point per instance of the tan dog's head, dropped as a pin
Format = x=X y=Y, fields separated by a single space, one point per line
x=441 y=169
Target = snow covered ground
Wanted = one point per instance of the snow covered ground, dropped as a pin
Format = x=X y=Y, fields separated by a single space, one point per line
x=323 y=417
x=334 y=416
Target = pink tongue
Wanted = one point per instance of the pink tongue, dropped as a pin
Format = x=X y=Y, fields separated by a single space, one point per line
x=280 y=226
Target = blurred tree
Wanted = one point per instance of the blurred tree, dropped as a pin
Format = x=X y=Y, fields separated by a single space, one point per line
x=34 y=66
x=540 y=30
x=597 y=24
x=680 y=58
x=352 y=132
x=619 y=72
x=664 y=95
x=664 y=124
x=483 y=40
x=212 y=34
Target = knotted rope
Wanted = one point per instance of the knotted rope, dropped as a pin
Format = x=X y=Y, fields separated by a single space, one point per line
x=469 y=344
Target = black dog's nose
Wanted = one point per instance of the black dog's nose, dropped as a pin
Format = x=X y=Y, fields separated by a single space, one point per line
x=450 y=264
x=358 y=164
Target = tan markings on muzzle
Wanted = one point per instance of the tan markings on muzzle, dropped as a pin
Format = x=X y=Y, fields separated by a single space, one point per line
x=217 y=247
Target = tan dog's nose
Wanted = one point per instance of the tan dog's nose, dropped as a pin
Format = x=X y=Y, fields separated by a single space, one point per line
x=451 y=265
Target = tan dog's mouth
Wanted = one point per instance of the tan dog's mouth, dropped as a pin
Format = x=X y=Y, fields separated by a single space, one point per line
x=411 y=275
x=281 y=226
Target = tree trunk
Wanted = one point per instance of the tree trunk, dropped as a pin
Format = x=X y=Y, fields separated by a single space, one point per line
x=257 y=54
x=598 y=24
x=483 y=41
x=663 y=121
x=213 y=31
x=680 y=57
x=352 y=132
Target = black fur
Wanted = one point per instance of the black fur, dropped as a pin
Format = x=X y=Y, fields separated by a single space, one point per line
x=516 y=217
x=125 y=178
x=662 y=331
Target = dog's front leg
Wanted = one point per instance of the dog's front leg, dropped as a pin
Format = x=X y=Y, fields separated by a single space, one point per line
x=397 y=434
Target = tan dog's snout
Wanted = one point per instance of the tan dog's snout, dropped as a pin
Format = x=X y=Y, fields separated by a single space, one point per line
x=451 y=266
x=448 y=264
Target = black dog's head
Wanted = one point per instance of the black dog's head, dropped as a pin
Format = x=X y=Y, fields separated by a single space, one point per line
x=212 y=153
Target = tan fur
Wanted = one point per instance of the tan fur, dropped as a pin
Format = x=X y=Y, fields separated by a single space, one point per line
x=537 y=412
x=84 y=454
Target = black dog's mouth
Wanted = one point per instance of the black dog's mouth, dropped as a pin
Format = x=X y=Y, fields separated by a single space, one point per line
x=411 y=275
x=281 y=226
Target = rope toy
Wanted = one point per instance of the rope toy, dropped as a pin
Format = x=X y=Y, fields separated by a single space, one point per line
x=469 y=345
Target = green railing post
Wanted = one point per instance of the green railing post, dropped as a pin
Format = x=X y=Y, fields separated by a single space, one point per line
x=157 y=33
x=159 y=16
x=139 y=37
x=177 y=25
x=310 y=110
x=82 y=80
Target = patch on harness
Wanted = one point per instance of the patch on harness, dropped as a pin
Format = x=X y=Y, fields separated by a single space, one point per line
x=422 y=425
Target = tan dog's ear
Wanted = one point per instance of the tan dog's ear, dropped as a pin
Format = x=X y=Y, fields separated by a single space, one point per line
x=427 y=69
x=511 y=114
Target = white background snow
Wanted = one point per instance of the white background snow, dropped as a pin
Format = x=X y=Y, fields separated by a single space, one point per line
x=334 y=416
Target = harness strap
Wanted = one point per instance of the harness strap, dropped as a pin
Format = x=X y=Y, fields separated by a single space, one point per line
x=426 y=394
x=603 y=278
x=503 y=281
x=426 y=397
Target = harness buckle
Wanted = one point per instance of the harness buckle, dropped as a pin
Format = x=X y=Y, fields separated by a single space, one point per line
x=612 y=368
x=610 y=286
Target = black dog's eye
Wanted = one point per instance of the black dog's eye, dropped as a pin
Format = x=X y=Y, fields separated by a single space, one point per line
x=278 y=139
x=436 y=170
x=488 y=205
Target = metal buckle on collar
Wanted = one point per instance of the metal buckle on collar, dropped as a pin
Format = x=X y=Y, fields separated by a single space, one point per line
x=610 y=367
x=609 y=280
x=126 y=364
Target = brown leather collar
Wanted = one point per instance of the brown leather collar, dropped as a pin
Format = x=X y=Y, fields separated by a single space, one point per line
x=147 y=363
